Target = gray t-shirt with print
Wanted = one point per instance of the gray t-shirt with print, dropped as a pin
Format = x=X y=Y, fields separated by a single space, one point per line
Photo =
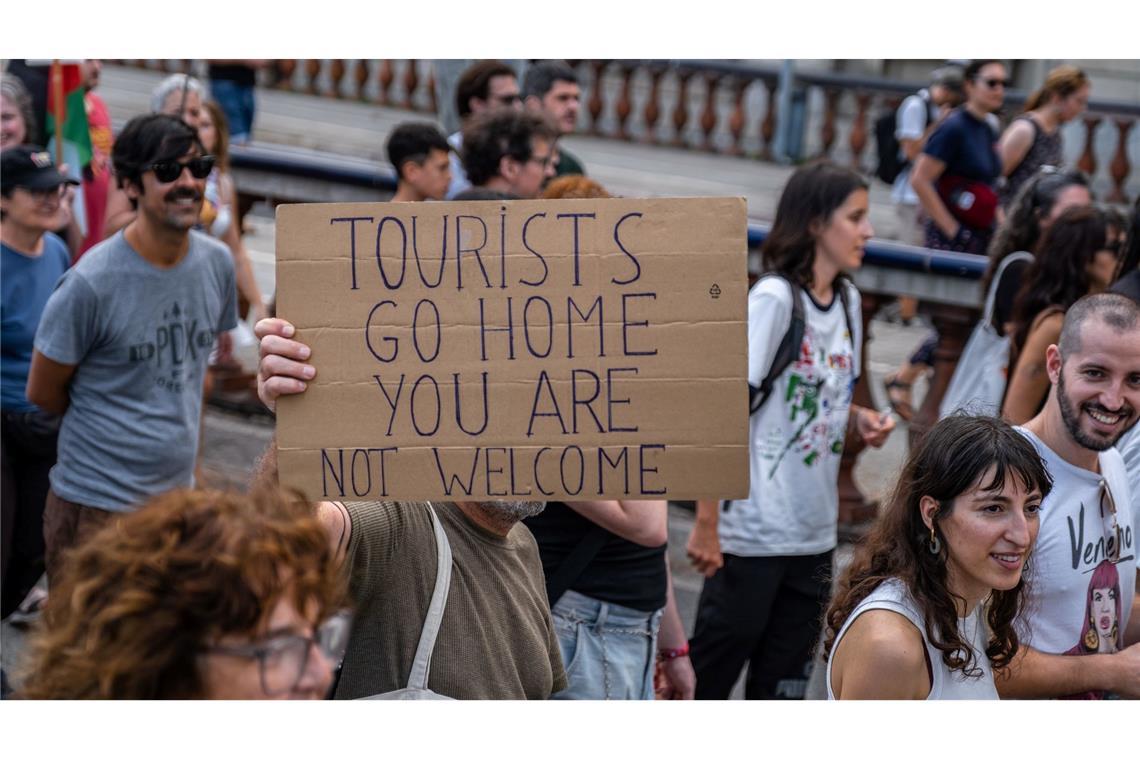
x=140 y=338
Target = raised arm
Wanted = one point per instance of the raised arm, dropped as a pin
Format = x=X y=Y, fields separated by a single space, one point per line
x=642 y=522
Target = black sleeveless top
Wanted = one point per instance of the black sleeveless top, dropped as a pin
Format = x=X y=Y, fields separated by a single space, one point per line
x=622 y=572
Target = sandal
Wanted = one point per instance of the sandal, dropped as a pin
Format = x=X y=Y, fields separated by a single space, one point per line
x=898 y=396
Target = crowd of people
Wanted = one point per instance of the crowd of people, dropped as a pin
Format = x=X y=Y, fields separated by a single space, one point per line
x=1003 y=563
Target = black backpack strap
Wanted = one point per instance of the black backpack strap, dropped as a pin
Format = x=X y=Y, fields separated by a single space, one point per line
x=569 y=570
x=786 y=352
x=841 y=287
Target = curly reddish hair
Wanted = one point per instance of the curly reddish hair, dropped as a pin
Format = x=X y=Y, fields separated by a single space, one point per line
x=140 y=599
x=574 y=186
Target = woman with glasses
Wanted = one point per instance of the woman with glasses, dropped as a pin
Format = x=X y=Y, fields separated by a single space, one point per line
x=955 y=178
x=197 y=595
x=33 y=259
x=1078 y=257
x=926 y=609
x=1033 y=139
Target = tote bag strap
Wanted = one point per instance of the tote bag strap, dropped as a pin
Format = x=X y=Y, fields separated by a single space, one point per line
x=421 y=665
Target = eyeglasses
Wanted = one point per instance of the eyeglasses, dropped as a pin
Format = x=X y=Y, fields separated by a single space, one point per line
x=282 y=660
x=544 y=161
x=1112 y=532
x=507 y=100
x=44 y=194
x=169 y=171
x=993 y=84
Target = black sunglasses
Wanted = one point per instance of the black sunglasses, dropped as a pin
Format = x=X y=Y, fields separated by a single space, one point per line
x=168 y=171
x=993 y=83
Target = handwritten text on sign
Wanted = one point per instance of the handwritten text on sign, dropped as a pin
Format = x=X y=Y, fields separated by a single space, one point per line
x=517 y=350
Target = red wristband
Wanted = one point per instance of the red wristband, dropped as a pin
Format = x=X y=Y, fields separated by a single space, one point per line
x=672 y=654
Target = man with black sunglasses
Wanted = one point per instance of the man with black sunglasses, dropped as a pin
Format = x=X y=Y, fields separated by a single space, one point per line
x=122 y=349
x=1082 y=573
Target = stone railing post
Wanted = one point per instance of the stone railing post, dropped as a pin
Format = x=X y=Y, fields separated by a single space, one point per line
x=768 y=126
x=652 y=105
x=830 y=111
x=858 y=139
x=681 y=110
x=597 y=102
x=1120 y=167
x=285 y=69
x=1087 y=162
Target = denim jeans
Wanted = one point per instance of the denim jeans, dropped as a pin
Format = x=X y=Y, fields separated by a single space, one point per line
x=236 y=101
x=609 y=651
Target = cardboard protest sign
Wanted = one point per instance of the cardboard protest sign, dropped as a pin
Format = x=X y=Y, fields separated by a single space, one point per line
x=545 y=350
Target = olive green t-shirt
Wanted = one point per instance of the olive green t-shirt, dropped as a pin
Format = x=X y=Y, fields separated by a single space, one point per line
x=496 y=641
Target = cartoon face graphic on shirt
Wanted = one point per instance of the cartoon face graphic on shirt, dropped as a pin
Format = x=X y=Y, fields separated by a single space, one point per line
x=1101 y=629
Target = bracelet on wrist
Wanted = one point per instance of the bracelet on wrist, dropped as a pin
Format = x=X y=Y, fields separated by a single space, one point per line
x=672 y=654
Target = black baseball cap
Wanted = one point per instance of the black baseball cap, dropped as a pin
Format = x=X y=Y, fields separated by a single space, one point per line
x=30 y=166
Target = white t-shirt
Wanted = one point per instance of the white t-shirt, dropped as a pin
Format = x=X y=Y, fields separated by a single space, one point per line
x=1129 y=448
x=796 y=438
x=910 y=124
x=1073 y=588
x=945 y=683
x=459 y=181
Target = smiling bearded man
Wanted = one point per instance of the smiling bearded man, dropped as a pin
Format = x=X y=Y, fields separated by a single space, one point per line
x=1090 y=519
x=122 y=348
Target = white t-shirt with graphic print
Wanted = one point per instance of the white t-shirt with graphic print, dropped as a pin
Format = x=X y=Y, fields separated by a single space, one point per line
x=1073 y=585
x=796 y=438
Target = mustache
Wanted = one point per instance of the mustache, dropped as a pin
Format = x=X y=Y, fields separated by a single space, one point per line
x=181 y=193
x=1125 y=409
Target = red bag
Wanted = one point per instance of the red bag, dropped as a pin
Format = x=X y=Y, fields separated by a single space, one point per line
x=972 y=203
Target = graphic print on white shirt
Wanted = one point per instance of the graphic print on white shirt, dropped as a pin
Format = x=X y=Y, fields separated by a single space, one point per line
x=796 y=437
x=1082 y=572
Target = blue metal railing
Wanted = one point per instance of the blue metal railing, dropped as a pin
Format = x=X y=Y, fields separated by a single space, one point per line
x=912 y=258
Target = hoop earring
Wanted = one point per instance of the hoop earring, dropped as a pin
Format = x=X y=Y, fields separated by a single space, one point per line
x=935 y=544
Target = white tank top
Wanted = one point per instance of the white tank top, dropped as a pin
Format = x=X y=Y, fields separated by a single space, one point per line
x=945 y=684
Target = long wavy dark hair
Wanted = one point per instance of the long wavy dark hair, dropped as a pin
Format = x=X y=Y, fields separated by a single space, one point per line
x=1059 y=274
x=1021 y=230
x=953 y=459
x=812 y=194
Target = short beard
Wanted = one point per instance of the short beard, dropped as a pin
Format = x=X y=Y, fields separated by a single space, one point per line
x=1070 y=416
x=515 y=510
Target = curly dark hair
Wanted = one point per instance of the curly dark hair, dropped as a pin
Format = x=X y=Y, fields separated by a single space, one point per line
x=811 y=195
x=499 y=133
x=952 y=459
x=138 y=601
x=1021 y=230
x=1059 y=274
